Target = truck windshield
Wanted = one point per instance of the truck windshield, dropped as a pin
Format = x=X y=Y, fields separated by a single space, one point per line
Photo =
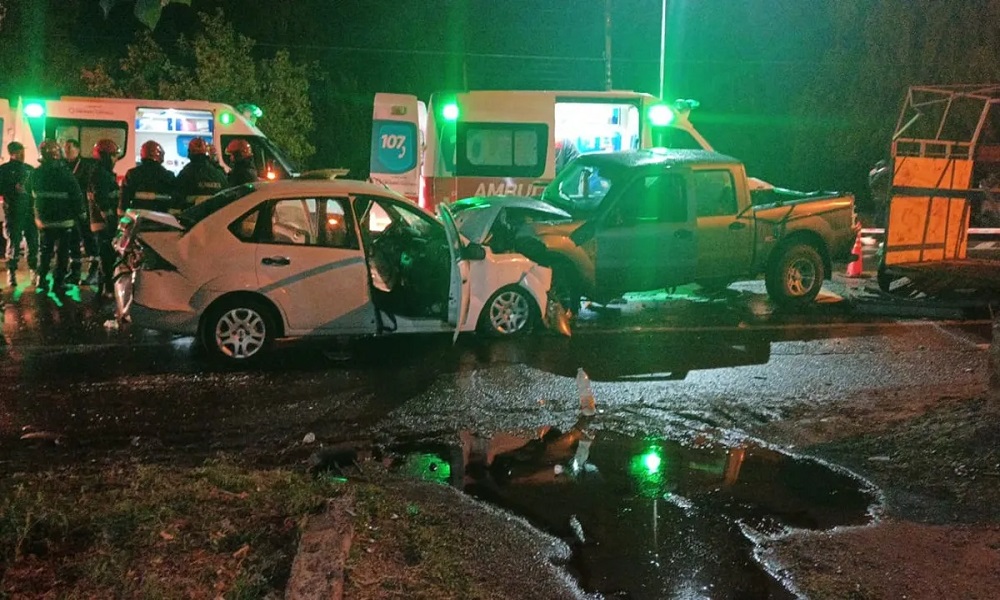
x=580 y=188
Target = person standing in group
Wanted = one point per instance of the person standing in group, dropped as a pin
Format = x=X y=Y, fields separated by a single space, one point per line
x=59 y=207
x=82 y=243
x=149 y=185
x=213 y=158
x=199 y=179
x=240 y=156
x=20 y=219
x=102 y=202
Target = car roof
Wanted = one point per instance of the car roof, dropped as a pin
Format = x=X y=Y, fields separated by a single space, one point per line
x=325 y=186
x=657 y=156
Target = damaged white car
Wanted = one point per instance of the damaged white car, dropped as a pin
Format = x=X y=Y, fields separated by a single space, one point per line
x=302 y=258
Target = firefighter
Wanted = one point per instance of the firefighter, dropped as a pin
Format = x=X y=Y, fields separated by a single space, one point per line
x=102 y=201
x=213 y=159
x=83 y=243
x=59 y=207
x=149 y=185
x=20 y=220
x=240 y=156
x=199 y=179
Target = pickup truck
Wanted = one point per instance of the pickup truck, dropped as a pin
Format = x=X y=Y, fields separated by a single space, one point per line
x=658 y=218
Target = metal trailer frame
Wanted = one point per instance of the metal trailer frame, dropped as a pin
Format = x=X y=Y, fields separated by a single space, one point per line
x=945 y=134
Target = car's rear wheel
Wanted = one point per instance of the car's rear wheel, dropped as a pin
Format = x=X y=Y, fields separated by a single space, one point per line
x=239 y=330
x=509 y=312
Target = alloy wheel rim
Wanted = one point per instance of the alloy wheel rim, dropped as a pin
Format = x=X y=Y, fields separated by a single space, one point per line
x=240 y=333
x=509 y=312
x=801 y=277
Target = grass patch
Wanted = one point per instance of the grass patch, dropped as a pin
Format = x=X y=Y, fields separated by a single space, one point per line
x=404 y=547
x=133 y=530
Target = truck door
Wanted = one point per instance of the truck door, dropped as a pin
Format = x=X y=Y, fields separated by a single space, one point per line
x=725 y=242
x=647 y=240
x=397 y=143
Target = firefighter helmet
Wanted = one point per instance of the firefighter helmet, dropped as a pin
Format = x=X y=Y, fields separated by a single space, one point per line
x=50 y=149
x=151 y=150
x=239 y=150
x=105 y=148
x=197 y=147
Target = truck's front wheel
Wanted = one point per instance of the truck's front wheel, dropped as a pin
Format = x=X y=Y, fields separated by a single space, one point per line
x=795 y=277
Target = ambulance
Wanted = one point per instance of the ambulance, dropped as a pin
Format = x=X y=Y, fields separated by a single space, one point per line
x=503 y=143
x=131 y=123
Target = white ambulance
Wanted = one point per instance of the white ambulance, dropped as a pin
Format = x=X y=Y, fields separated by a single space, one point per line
x=131 y=123
x=501 y=143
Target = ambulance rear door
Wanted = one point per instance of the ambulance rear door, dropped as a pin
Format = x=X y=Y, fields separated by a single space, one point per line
x=398 y=122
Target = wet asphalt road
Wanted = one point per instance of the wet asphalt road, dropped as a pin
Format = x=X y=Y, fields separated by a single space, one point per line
x=659 y=494
x=724 y=362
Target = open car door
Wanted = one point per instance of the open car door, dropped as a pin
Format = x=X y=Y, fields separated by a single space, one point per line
x=458 y=290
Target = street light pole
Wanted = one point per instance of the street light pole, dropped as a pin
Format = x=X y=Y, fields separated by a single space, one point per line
x=663 y=43
x=607 y=45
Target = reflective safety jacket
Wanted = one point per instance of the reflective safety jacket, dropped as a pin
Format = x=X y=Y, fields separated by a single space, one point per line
x=198 y=180
x=56 y=195
x=242 y=172
x=102 y=198
x=13 y=179
x=149 y=186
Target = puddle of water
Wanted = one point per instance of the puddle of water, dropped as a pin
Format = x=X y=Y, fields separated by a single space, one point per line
x=649 y=518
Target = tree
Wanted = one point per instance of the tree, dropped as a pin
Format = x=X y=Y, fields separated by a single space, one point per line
x=216 y=64
x=875 y=52
x=147 y=11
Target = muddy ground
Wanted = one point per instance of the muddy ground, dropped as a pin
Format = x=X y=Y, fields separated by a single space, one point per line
x=936 y=458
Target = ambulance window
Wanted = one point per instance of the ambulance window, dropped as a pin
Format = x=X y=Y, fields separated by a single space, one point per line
x=501 y=149
x=88 y=133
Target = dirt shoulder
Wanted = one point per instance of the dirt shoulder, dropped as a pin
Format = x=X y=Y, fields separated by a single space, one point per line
x=936 y=456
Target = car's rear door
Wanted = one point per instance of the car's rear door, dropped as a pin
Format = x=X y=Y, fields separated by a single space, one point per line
x=310 y=263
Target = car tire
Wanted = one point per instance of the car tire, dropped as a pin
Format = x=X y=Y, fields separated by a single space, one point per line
x=510 y=312
x=795 y=276
x=238 y=330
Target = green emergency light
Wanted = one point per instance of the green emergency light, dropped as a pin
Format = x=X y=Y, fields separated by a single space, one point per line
x=34 y=110
x=660 y=115
x=226 y=118
x=450 y=111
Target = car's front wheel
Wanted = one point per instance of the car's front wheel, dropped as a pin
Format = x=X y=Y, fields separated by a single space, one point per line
x=238 y=330
x=509 y=312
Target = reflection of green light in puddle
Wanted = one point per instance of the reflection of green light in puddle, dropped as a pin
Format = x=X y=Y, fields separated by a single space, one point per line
x=652 y=461
x=428 y=467
x=647 y=468
x=73 y=293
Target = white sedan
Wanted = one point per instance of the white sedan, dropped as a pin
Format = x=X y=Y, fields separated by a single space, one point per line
x=300 y=258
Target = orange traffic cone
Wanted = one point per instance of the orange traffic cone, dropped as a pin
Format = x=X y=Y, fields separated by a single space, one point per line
x=855 y=268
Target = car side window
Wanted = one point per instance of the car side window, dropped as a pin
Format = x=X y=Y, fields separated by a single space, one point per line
x=246 y=228
x=309 y=222
x=714 y=192
x=292 y=223
x=652 y=199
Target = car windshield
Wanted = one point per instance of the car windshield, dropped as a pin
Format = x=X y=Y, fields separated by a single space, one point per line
x=580 y=188
x=194 y=215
